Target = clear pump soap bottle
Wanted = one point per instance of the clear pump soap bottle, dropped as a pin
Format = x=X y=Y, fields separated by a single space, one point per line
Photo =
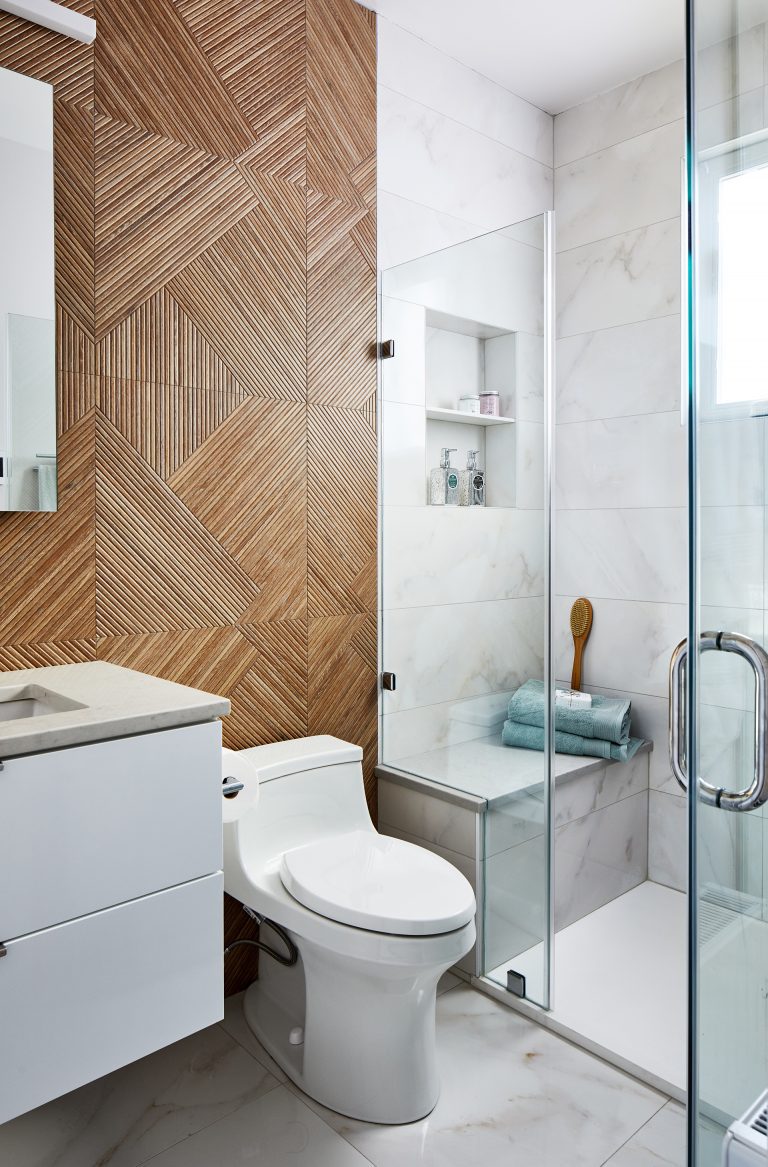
x=472 y=483
x=444 y=481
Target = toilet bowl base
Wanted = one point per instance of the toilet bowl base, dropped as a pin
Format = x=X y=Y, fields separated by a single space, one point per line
x=369 y=1032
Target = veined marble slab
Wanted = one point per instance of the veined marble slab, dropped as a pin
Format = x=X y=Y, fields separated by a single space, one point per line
x=115 y=702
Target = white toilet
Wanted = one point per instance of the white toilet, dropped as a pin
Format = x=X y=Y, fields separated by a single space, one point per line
x=376 y=922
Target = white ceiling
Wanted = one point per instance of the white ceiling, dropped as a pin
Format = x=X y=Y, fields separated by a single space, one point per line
x=554 y=53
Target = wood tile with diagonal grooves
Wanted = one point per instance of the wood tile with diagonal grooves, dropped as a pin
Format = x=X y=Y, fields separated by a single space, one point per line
x=262 y=63
x=270 y=702
x=212 y=659
x=341 y=321
x=341 y=93
x=247 y=293
x=159 y=204
x=151 y=73
x=165 y=423
x=160 y=343
x=341 y=512
x=343 y=683
x=208 y=154
x=247 y=485
x=158 y=567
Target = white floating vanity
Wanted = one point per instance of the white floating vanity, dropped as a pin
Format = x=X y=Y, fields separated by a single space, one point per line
x=111 y=887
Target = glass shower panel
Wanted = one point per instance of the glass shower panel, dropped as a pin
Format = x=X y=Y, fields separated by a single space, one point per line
x=464 y=579
x=729 y=346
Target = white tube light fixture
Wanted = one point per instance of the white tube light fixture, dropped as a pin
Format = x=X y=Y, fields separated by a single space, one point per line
x=53 y=16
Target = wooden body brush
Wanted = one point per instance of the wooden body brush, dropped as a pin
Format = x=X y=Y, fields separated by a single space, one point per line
x=581 y=626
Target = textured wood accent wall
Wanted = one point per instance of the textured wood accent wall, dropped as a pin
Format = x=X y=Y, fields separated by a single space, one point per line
x=215 y=240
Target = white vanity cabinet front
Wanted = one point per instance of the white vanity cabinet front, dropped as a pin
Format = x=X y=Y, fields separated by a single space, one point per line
x=111 y=902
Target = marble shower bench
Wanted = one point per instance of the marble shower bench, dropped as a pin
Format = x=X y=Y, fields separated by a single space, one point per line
x=480 y=805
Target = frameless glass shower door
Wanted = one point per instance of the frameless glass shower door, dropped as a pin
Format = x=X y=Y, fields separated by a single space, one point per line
x=465 y=393
x=723 y=742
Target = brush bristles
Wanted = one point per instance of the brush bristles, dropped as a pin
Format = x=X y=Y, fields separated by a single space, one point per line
x=580 y=617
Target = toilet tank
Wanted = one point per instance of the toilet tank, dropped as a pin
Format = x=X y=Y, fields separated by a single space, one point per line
x=309 y=789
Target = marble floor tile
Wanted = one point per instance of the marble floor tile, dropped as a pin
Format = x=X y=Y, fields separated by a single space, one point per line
x=660 y=1143
x=237 y=1027
x=512 y=1093
x=276 y=1131
x=447 y=982
x=132 y=1115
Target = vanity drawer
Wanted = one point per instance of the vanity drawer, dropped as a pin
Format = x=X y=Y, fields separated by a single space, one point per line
x=96 y=825
x=79 y=1000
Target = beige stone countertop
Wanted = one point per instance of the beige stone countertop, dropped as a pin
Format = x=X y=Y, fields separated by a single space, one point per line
x=93 y=701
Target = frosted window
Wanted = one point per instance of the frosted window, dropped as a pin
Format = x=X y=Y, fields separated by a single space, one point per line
x=742 y=348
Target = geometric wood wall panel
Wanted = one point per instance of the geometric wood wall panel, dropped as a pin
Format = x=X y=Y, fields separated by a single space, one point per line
x=151 y=73
x=262 y=63
x=216 y=313
x=341 y=308
x=247 y=485
x=341 y=512
x=157 y=567
x=247 y=291
x=158 y=204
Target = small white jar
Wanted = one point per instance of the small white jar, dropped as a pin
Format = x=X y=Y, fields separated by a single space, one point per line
x=469 y=403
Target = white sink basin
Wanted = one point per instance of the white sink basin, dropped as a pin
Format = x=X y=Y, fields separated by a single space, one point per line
x=17 y=701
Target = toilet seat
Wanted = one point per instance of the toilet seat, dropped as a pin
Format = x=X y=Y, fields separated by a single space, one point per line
x=378 y=883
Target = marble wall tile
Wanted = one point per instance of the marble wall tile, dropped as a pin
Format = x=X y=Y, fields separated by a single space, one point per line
x=667 y=835
x=529 y=465
x=407 y=230
x=617 y=372
x=403 y=377
x=730 y=67
x=599 y=857
x=515 y=883
x=501 y=371
x=629 y=647
x=725 y=679
x=447 y=652
x=635 y=108
x=625 y=462
x=628 y=277
x=429 y=817
x=639 y=554
x=403 y=455
x=414 y=731
x=529 y=376
x=455 y=365
x=731 y=556
x=417 y=70
x=731 y=460
x=730 y=119
x=430 y=159
x=515 y=821
x=583 y=794
x=491 y=279
x=624 y=186
x=501 y=480
x=460 y=555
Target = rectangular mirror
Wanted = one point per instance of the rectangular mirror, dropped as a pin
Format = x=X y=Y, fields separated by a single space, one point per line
x=27 y=298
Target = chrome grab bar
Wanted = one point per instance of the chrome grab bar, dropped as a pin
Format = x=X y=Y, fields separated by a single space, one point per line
x=757 y=791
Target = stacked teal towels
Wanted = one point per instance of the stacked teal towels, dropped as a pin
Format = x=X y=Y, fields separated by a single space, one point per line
x=599 y=732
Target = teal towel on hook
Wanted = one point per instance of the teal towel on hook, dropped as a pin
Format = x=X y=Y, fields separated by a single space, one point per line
x=531 y=737
x=608 y=719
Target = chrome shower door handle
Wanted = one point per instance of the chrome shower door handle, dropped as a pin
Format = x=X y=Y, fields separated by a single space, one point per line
x=757 y=792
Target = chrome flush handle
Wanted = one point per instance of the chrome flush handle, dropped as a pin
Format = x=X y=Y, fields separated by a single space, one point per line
x=757 y=792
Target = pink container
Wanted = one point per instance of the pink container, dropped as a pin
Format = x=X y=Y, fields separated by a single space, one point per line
x=490 y=403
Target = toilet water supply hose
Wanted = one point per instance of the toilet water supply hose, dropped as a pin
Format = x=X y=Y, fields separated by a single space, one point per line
x=290 y=958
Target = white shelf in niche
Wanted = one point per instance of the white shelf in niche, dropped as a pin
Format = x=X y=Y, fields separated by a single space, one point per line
x=481 y=419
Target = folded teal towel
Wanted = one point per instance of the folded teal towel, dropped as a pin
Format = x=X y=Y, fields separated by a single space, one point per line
x=608 y=718
x=531 y=737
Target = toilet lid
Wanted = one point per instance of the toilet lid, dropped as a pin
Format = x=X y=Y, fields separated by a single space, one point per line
x=381 y=884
